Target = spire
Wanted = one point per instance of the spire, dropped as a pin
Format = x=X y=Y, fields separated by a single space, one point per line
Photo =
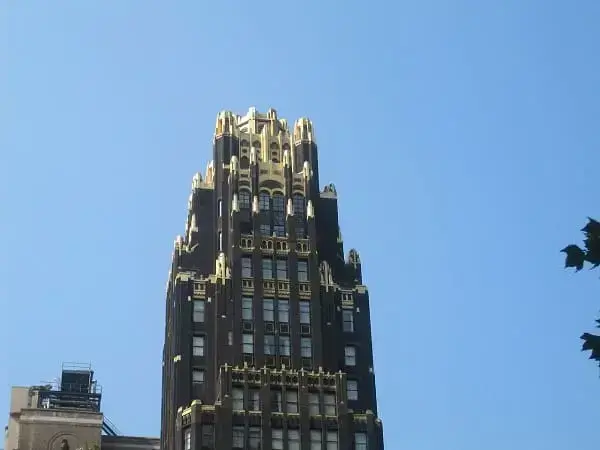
x=310 y=211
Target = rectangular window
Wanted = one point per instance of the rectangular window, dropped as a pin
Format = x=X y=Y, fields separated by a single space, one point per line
x=198 y=377
x=314 y=409
x=316 y=440
x=350 y=355
x=332 y=440
x=329 y=404
x=246 y=267
x=199 y=306
x=248 y=343
x=187 y=440
x=279 y=230
x=244 y=199
x=237 y=396
x=264 y=201
x=291 y=401
x=208 y=436
x=268 y=310
x=304 y=312
x=277 y=439
x=348 y=320
x=293 y=439
x=269 y=344
x=247 y=308
x=306 y=347
x=198 y=346
x=283 y=311
x=298 y=201
x=282 y=269
x=284 y=345
x=276 y=401
x=352 y=389
x=238 y=437
x=267 y=268
x=254 y=400
x=254 y=438
x=360 y=441
x=300 y=233
x=302 y=271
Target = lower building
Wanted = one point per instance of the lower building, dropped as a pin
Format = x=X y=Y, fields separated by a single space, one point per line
x=65 y=415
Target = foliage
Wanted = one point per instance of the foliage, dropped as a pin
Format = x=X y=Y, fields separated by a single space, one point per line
x=578 y=257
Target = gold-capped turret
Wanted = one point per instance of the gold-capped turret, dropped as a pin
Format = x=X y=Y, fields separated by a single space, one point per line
x=226 y=123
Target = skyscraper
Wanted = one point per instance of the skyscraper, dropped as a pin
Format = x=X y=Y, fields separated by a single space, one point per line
x=268 y=333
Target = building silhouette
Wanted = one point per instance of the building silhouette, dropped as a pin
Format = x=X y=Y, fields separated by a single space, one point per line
x=268 y=335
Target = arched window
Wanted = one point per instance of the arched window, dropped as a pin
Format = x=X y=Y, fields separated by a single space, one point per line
x=279 y=214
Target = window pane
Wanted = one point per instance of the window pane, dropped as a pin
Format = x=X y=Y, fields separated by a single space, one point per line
x=265 y=229
x=254 y=438
x=247 y=308
x=350 y=356
x=278 y=203
x=198 y=315
x=238 y=437
x=276 y=401
x=298 y=201
x=269 y=344
x=284 y=345
x=313 y=404
x=332 y=440
x=348 y=320
x=244 y=199
x=208 y=433
x=187 y=439
x=277 y=439
x=268 y=309
x=283 y=311
x=282 y=269
x=316 y=440
x=267 y=268
x=263 y=201
x=237 y=395
x=246 y=267
x=302 y=271
x=293 y=440
x=329 y=404
x=198 y=346
x=360 y=441
x=279 y=230
x=291 y=398
x=254 y=400
x=304 y=312
x=197 y=376
x=248 y=343
x=306 y=347
x=352 y=388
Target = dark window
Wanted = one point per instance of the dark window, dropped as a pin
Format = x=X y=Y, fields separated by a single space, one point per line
x=247 y=308
x=268 y=310
x=283 y=311
x=237 y=399
x=278 y=204
x=244 y=199
x=293 y=439
x=316 y=440
x=282 y=269
x=269 y=344
x=265 y=229
x=208 y=436
x=198 y=315
x=329 y=404
x=187 y=440
x=291 y=401
x=348 y=320
x=332 y=440
x=263 y=201
x=277 y=439
x=254 y=438
x=276 y=401
x=198 y=377
x=314 y=409
x=267 y=268
x=253 y=400
x=302 y=271
x=298 y=202
x=246 y=267
x=238 y=437
x=279 y=230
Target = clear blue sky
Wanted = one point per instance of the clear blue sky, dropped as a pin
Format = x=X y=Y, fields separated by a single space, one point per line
x=462 y=137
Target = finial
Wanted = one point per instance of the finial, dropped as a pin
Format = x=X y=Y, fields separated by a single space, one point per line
x=290 y=207
x=255 y=207
x=196 y=180
x=234 y=164
x=310 y=211
x=306 y=172
x=286 y=158
x=235 y=206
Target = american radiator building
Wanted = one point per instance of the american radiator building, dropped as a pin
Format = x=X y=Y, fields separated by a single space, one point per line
x=268 y=333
